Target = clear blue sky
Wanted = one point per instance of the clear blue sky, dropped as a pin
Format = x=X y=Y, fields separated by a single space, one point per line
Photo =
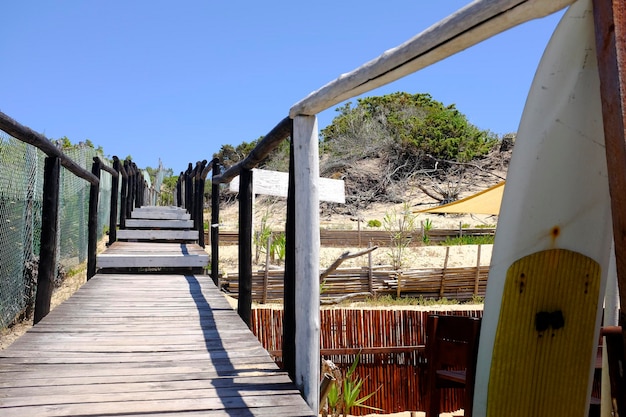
x=175 y=80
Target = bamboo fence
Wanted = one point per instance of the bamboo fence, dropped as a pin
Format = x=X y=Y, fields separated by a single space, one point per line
x=459 y=283
x=390 y=344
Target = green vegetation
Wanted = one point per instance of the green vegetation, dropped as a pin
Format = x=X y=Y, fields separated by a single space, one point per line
x=374 y=223
x=468 y=240
x=420 y=127
x=391 y=300
x=344 y=396
x=400 y=227
x=427 y=225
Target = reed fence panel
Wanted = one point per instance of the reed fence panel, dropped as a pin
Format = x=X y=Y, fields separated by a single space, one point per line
x=390 y=344
x=459 y=283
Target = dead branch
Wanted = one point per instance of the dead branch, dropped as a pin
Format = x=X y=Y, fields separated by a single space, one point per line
x=343 y=257
x=338 y=300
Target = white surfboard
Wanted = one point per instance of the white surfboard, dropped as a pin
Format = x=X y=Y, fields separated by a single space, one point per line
x=552 y=245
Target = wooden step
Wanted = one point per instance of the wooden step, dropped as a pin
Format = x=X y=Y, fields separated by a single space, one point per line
x=158 y=224
x=152 y=255
x=150 y=234
x=160 y=213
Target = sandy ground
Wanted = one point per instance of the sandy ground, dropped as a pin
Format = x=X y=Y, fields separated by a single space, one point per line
x=67 y=288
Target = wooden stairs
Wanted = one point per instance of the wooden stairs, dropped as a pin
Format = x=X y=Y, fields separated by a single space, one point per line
x=156 y=239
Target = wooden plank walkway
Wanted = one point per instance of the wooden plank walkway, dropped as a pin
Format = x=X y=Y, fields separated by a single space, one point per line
x=144 y=345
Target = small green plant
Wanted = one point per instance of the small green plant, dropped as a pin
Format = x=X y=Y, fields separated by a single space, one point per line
x=400 y=227
x=374 y=223
x=427 y=226
x=261 y=237
x=344 y=396
x=323 y=287
x=278 y=248
x=476 y=299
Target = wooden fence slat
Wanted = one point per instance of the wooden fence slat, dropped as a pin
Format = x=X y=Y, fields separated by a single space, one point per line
x=390 y=344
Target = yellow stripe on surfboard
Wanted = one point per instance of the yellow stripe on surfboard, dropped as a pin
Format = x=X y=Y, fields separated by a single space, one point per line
x=545 y=332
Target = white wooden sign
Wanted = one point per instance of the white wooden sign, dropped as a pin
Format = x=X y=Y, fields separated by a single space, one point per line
x=277 y=183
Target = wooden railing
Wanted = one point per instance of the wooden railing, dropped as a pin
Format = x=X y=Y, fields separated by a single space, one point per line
x=133 y=188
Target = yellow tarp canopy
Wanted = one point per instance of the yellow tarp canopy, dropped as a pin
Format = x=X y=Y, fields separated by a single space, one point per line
x=485 y=202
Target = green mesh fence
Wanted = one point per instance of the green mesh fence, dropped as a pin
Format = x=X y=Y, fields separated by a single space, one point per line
x=21 y=189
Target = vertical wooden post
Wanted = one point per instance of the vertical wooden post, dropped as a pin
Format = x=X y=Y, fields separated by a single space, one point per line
x=443 y=273
x=477 y=280
x=130 y=193
x=92 y=240
x=266 y=274
x=123 y=195
x=115 y=185
x=289 y=289
x=215 y=220
x=49 y=239
x=194 y=197
x=179 y=190
x=370 y=274
x=200 y=202
x=140 y=184
x=610 y=32
x=189 y=189
x=244 y=302
x=306 y=158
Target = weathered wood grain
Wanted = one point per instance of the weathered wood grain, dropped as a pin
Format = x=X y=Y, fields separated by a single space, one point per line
x=144 y=345
x=150 y=234
x=158 y=224
x=152 y=255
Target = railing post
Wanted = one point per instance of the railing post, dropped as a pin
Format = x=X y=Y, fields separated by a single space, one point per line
x=199 y=199
x=215 y=220
x=123 y=194
x=49 y=239
x=189 y=189
x=306 y=158
x=138 y=186
x=92 y=241
x=193 y=207
x=115 y=185
x=130 y=192
x=289 y=289
x=244 y=303
x=179 y=190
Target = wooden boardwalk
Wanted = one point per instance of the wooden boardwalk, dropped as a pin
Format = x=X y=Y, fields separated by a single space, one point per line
x=157 y=345
x=145 y=345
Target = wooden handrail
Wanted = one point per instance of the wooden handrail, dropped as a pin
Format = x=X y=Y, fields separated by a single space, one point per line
x=26 y=134
x=108 y=169
x=279 y=133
